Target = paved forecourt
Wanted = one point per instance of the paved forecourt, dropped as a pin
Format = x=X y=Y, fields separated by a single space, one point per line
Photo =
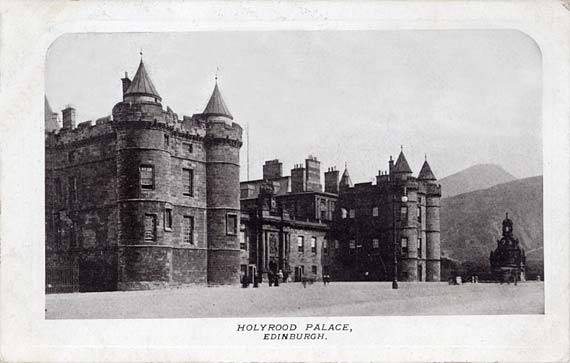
x=335 y=299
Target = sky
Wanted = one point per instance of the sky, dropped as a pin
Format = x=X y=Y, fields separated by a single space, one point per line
x=461 y=97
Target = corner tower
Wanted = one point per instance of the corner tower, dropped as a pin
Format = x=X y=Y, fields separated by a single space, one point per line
x=222 y=142
x=432 y=206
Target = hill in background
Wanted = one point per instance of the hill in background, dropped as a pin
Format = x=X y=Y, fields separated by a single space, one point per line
x=476 y=177
x=471 y=224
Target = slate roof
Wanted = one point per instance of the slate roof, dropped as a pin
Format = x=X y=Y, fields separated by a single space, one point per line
x=345 y=179
x=402 y=165
x=141 y=85
x=216 y=105
x=426 y=173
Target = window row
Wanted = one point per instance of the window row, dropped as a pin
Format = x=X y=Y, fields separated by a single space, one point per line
x=150 y=226
x=376 y=244
x=301 y=244
x=147 y=179
x=403 y=216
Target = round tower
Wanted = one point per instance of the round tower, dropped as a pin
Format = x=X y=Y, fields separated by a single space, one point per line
x=143 y=167
x=433 y=243
x=223 y=141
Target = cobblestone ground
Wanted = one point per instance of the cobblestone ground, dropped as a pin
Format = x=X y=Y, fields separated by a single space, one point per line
x=336 y=299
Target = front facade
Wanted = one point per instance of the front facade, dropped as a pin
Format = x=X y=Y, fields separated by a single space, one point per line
x=143 y=199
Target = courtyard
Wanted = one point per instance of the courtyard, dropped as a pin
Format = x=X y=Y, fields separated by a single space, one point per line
x=292 y=300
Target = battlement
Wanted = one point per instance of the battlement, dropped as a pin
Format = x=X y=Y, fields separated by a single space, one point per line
x=223 y=129
x=84 y=131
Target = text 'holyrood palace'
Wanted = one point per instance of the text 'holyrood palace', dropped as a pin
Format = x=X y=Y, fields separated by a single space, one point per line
x=146 y=199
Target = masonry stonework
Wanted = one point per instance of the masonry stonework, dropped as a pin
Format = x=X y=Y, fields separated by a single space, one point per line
x=139 y=200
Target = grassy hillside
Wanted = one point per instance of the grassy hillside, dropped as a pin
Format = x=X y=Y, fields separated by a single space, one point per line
x=477 y=177
x=471 y=223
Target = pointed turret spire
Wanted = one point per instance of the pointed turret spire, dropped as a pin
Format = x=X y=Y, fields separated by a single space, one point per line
x=425 y=172
x=345 y=181
x=216 y=105
x=50 y=117
x=402 y=165
x=141 y=85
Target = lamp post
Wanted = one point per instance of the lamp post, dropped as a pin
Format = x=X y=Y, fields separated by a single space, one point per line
x=403 y=199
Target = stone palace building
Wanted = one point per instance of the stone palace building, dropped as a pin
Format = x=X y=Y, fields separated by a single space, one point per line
x=147 y=199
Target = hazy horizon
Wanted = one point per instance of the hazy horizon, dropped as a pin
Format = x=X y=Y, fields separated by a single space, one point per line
x=461 y=97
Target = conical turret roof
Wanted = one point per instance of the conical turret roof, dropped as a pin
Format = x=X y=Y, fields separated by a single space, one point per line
x=345 y=181
x=426 y=173
x=402 y=165
x=141 y=85
x=50 y=117
x=216 y=105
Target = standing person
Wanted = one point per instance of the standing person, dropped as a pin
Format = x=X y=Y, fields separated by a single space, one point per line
x=280 y=275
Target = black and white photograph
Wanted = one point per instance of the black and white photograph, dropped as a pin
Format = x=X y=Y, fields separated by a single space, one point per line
x=299 y=173
x=271 y=181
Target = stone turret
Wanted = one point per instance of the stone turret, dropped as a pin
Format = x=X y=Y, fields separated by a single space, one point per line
x=223 y=141
x=432 y=207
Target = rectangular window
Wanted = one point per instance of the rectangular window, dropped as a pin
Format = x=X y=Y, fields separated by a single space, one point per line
x=231 y=224
x=314 y=244
x=325 y=246
x=71 y=156
x=419 y=247
x=314 y=269
x=146 y=176
x=300 y=244
x=375 y=243
x=168 y=219
x=352 y=213
x=404 y=215
x=149 y=227
x=188 y=181
x=189 y=148
x=336 y=244
x=375 y=212
x=352 y=244
x=72 y=181
x=188 y=229
x=419 y=214
x=404 y=245
x=166 y=140
x=243 y=239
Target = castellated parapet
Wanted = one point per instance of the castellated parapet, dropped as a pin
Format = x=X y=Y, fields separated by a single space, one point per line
x=143 y=199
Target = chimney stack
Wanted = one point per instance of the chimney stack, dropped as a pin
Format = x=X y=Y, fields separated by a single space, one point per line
x=331 y=180
x=298 y=179
x=313 y=170
x=68 y=117
x=126 y=83
x=272 y=169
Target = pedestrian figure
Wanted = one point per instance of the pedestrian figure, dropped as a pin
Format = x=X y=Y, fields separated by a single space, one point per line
x=304 y=281
x=280 y=275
